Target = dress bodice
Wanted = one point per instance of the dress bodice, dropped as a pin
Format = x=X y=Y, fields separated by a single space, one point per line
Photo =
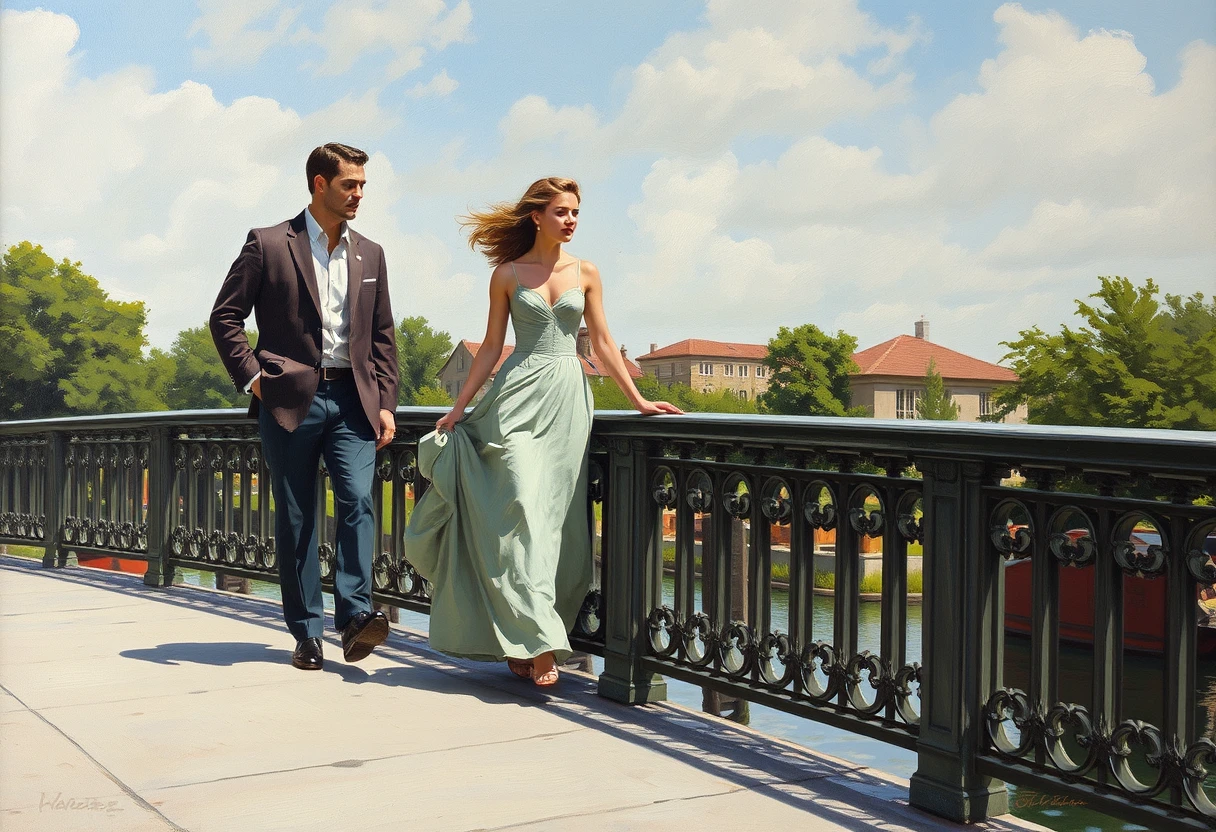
x=543 y=329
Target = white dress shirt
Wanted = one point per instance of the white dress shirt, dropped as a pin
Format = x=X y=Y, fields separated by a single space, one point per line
x=332 y=282
x=332 y=276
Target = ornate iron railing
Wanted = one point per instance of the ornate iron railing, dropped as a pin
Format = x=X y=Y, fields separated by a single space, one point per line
x=1123 y=510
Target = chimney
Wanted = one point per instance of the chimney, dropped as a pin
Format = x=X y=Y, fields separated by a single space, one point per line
x=624 y=355
x=921 y=328
x=582 y=344
x=654 y=347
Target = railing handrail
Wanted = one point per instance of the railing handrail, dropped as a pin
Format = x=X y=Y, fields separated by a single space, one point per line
x=1190 y=453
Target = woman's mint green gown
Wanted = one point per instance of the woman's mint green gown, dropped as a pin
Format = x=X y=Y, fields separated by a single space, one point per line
x=504 y=534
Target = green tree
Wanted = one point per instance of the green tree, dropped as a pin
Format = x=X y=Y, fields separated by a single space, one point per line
x=609 y=397
x=935 y=403
x=1132 y=363
x=199 y=380
x=421 y=352
x=69 y=348
x=809 y=373
x=433 y=397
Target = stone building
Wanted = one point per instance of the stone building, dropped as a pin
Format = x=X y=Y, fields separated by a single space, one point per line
x=709 y=366
x=891 y=378
x=455 y=371
x=889 y=382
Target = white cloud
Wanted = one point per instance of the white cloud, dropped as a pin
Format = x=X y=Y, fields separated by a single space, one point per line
x=156 y=190
x=353 y=29
x=439 y=86
x=230 y=29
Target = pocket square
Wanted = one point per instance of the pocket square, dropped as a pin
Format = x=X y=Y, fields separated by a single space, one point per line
x=358 y=256
x=369 y=280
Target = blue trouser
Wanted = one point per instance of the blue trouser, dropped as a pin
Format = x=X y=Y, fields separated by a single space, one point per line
x=337 y=427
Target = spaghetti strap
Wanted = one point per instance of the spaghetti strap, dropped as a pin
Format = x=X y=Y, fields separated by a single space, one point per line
x=515 y=274
x=578 y=277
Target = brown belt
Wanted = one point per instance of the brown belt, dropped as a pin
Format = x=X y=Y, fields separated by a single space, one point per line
x=336 y=373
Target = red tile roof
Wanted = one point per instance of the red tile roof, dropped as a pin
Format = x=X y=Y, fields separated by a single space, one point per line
x=699 y=347
x=474 y=346
x=908 y=356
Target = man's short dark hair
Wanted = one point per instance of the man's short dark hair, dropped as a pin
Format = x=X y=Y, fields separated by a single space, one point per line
x=327 y=158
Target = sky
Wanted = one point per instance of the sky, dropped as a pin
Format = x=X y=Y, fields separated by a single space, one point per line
x=745 y=164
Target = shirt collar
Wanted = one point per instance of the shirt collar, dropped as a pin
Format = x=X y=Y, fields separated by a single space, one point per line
x=317 y=233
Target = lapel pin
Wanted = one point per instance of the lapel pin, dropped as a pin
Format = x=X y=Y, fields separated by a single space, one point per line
x=358 y=256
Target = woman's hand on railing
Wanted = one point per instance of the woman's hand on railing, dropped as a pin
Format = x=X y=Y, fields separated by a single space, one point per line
x=649 y=408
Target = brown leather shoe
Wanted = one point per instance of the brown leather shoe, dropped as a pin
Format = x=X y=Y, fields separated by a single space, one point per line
x=362 y=634
x=308 y=654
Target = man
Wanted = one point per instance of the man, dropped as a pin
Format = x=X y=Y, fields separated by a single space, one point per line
x=324 y=381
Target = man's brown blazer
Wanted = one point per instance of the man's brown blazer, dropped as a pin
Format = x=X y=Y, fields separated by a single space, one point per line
x=273 y=277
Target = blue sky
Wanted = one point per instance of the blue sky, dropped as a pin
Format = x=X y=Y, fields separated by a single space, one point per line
x=745 y=165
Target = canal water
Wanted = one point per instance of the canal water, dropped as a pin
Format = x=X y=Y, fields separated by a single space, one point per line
x=1142 y=698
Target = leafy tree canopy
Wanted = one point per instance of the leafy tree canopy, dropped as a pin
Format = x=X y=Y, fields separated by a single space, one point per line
x=70 y=349
x=1133 y=363
x=809 y=373
x=198 y=379
x=421 y=352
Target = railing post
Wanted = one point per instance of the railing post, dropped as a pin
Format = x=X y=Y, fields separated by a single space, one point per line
x=961 y=653
x=631 y=576
x=55 y=506
x=161 y=476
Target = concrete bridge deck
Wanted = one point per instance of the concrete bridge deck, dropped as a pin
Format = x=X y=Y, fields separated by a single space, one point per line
x=129 y=708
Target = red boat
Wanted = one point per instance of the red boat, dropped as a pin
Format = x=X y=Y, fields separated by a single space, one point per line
x=1143 y=604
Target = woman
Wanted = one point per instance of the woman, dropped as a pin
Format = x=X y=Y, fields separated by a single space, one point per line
x=503 y=534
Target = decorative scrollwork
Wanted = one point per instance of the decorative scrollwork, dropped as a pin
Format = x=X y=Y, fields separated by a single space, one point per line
x=738 y=503
x=662 y=633
x=910 y=529
x=589 y=623
x=1012 y=705
x=664 y=492
x=820 y=657
x=1163 y=756
x=820 y=516
x=905 y=678
x=868 y=524
x=776 y=503
x=249 y=551
x=877 y=671
x=780 y=647
x=1060 y=717
x=736 y=650
x=1072 y=550
x=1143 y=564
x=700 y=494
x=1011 y=540
x=1195 y=764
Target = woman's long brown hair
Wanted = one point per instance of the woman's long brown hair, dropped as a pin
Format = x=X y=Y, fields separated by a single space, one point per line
x=506 y=232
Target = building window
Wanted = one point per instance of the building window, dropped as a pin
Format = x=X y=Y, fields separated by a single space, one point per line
x=905 y=403
x=459 y=387
x=662 y=371
x=707 y=369
x=744 y=370
x=743 y=395
x=985 y=404
x=460 y=361
x=762 y=371
x=728 y=369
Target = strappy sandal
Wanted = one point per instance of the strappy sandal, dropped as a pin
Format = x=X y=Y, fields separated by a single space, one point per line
x=546 y=679
x=520 y=667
